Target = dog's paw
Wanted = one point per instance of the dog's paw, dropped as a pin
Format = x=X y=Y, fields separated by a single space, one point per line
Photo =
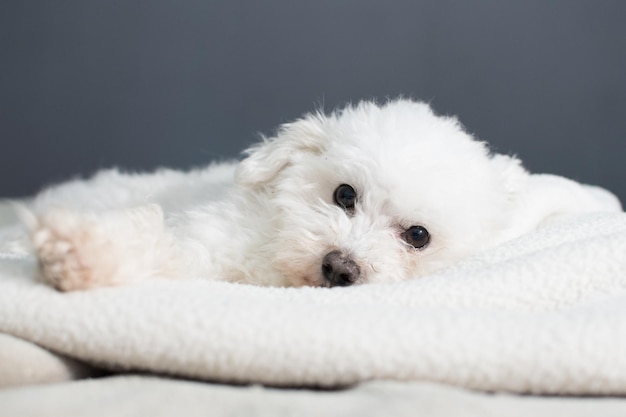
x=74 y=252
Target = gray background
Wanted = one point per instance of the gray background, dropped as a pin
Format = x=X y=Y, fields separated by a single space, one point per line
x=141 y=84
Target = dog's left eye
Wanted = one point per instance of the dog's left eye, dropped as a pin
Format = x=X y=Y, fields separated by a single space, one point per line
x=417 y=236
x=345 y=197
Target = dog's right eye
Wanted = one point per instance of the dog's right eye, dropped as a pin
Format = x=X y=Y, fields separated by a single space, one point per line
x=345 y=197
x=417 y=236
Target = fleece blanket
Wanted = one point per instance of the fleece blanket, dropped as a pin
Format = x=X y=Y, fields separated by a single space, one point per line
x=141 y=396
x=545 y=313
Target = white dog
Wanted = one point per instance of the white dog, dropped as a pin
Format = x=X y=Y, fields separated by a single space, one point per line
x=366 y=194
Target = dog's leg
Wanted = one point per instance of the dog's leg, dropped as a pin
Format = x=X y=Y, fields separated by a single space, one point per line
x=85 y=250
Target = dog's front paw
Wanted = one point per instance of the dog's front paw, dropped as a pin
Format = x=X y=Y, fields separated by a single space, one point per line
x=73 y=253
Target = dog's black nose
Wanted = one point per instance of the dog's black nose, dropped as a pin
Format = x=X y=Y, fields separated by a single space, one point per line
x=339 y=269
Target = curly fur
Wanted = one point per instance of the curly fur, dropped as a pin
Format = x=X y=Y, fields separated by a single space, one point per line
x=271 y=219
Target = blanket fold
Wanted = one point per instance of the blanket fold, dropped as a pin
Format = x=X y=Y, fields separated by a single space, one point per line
x=545 y=313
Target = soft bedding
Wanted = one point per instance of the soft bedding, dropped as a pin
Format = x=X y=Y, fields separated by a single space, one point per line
x=545 y=314
x=141 y=396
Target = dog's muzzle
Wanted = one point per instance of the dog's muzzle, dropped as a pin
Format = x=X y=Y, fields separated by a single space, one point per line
x=339 y=269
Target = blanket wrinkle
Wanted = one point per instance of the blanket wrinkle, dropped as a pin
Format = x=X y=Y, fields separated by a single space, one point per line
x=544 y=313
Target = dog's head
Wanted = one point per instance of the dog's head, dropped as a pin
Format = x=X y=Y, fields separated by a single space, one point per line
x=378 y=193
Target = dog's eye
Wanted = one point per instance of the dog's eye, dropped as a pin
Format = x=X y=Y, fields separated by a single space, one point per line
x=345 y=197
x=417 y=236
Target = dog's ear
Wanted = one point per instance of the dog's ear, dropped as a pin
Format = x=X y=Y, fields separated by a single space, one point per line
x=514 y=176
x=265 y=160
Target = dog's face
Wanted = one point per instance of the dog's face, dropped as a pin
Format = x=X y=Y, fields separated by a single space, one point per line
x=378 y=194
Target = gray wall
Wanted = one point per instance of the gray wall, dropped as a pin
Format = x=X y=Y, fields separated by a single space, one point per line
x=140 y=84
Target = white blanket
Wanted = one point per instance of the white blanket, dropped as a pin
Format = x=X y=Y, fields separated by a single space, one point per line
x=147 y=396
x=545 y=313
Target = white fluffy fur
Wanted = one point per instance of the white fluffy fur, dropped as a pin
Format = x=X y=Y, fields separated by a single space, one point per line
x=271 y=219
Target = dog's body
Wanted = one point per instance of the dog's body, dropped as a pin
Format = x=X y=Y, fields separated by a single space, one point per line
x=367 y=194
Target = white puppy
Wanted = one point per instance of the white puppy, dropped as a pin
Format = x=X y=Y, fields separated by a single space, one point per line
x=366 y=194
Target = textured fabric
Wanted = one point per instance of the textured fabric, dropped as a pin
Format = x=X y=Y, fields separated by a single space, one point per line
x=545 y=313
x=23 y=363
x=131 y=396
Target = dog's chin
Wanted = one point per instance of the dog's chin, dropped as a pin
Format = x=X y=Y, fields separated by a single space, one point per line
x=307 y=277
x=314 y=281
x=310 y=281
x=303 y=276
x=296 y=273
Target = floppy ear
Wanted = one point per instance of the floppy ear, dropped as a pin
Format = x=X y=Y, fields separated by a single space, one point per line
x=266 y=159
x=514 y=176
